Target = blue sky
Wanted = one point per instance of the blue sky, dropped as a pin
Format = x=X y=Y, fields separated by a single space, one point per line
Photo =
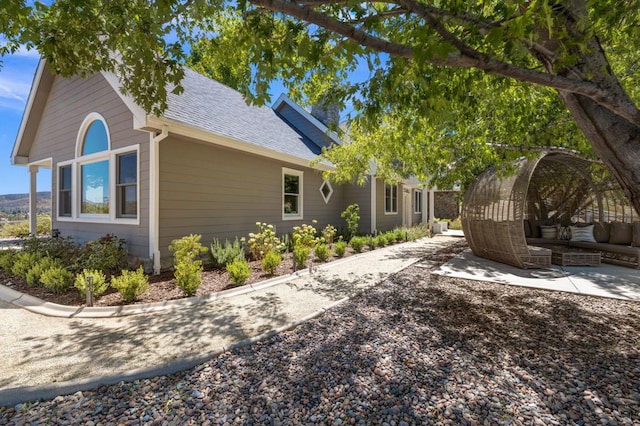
x=16 y=76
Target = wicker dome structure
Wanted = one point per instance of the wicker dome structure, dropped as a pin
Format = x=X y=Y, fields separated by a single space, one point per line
x=551 y=189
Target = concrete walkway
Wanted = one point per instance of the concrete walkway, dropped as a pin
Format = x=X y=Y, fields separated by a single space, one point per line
x=604 y=280
x=70 y=349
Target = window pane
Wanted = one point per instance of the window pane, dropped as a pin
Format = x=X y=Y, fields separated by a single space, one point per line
x=291 y=204
x=95 y=139
x=95 y=188
x=64 y=203
x=128 y=168
x=65 y=177
x=128 y=200
x=291 y=184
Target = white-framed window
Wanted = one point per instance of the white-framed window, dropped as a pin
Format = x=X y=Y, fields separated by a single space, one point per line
x=292 y=201
x=390 y=198
x=100 y=184
x=417 y=201
x=326 y=190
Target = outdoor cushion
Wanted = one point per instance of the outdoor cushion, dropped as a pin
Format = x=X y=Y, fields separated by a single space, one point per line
x=601 y=231
x=565 y=232
x=620 y=233
x=549 y=231
x=636 y=234
x=582 y=233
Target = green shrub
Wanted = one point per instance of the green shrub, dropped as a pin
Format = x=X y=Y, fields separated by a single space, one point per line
x=304 y=235
x=322 y=252
x=380 y=240
x=99 y=282
x=400 y=234
x=340 y=248
x=351 y=215
x=238 y=271
x=372 y=243
x=287 y=243
x=329 y=233
x=23 y=262
x=63 y=249
x=455 y=223
x=264 y=241
x=7 y=257
x=106 y=254
x=34 y=274
x=358 y=243
x=223 y=254
x=57 y=279
x=188 y=270
x=300 y=256
x=271 y=262
x=390 y=237
x=131 y=284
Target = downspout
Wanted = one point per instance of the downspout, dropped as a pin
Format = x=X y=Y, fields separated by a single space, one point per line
x=374 y=226
x=154 y=197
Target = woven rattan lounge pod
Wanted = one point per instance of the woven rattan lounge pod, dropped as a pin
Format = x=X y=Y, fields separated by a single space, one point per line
x=551 y=189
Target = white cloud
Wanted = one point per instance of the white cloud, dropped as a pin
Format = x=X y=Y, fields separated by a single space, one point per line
x=16 y=76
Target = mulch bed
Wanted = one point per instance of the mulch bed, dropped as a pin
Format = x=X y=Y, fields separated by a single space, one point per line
x=161 y=287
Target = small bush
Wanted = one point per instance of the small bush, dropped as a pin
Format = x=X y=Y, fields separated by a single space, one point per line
x=305 y=235
x=34 y=274
x=57 y=279
x=7 y=257
x=340 y=248
x=63 y=249
x=131 y=284
x=188 y=270
x=322 y=252
x=380 y=240
x=271 y=262
x=264 y=241
x=329 y=233
x=300 y=256
x=106 y=254
x=23 y=262
x=238 y=271
x=372 y=243
x=287 y=243
x=351 y=215
x=390 y=237
x=358 y=243
x=400 y=234
x=99 y=283
x=223 y=254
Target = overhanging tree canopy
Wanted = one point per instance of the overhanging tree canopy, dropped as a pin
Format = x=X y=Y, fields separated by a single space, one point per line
x=440 y=89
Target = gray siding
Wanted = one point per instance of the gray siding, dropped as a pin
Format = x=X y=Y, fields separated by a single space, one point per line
x=222 y=193
x=384 y=221
x=69 y=102
x=360 y=195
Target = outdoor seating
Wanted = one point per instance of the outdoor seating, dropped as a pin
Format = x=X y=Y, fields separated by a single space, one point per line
x=554 y=199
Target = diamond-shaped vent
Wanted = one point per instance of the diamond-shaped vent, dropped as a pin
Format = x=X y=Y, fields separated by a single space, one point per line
x=326 y=190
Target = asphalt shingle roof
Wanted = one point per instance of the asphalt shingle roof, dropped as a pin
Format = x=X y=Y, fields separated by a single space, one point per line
x=216 y=108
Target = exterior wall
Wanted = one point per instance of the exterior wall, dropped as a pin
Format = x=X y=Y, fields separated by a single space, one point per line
x=360 y=195
x=222 y=193
x=68 y=103
x=385 y=221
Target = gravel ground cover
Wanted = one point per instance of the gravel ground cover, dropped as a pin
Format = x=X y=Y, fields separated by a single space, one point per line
x=417 y=349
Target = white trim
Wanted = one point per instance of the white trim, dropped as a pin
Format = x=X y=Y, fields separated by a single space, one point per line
x=284 y=99
x=299 y=174
x=88 y=120
x=15 y=159
x=139 y=115
x=178 y=128
x=391 y=213
x=374 y=219
x=328 y=197
x=154 y=197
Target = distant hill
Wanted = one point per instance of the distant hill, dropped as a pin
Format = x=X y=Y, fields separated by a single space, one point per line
x=17 y=204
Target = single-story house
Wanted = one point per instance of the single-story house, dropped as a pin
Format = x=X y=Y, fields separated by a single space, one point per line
x=210 y=165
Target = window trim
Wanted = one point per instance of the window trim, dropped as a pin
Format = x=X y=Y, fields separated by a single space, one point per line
x=328 y=197
x=417 y=206
x=70 y=190
x=82 y=131
x=394 y=190
x=118 y=213
x=300 y=175
x=76 y=183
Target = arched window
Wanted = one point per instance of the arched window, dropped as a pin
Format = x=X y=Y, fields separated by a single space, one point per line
x=100 y=183
x=95 y=138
